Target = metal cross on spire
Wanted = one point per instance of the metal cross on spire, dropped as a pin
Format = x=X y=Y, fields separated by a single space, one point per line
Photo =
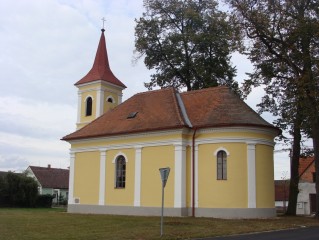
x=103 y=20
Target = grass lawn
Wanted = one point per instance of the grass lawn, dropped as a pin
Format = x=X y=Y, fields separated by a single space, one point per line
x=57 y=224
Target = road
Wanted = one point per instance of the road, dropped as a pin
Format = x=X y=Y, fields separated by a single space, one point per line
x=306 y=233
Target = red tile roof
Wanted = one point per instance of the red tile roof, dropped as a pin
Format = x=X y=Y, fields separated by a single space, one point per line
x=219 y=106
x=101 y=69
x=156 y=110
x=161 y=110
x=51 y=177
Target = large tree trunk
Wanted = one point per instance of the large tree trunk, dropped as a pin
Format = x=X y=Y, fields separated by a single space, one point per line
x=315 y=132
x=294 y=173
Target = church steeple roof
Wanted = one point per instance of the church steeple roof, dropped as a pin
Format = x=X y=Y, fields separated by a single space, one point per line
x=101 y=69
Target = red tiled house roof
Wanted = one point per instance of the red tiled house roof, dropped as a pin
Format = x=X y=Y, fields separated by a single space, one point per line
x=101 y=69
x=306 y=169
x=51 y=177
x=163 y=109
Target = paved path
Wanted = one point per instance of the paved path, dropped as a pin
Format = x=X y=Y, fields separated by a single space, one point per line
x=307 y=233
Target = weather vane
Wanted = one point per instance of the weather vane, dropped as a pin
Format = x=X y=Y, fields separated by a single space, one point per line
x=103 y=20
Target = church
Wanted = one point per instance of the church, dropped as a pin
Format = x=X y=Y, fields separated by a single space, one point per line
x=219 y=151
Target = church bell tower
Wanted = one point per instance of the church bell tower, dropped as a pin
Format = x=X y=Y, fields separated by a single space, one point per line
x=99 y=90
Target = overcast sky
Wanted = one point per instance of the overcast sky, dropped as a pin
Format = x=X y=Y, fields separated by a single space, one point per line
x=47 y=46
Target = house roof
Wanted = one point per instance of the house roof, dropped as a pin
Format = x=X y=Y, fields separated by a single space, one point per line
x=281 y=190
x=306 y=165
x=101 y=69
x=51 y=177
x=167 y=109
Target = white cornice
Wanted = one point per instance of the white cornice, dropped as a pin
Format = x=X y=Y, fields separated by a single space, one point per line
x=100 y=82
x=132 y=136
x=174 y=142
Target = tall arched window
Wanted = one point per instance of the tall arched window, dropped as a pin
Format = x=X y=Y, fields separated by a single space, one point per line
x=120 y=172
x=221 y=165
x=88 y=111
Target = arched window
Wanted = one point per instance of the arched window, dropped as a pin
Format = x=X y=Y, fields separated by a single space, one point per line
x=120 y=172
x=221 y=165
x=88 y=111
x=110 y=100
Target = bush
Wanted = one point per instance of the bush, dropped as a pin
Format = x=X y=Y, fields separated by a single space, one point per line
x=44 y=201
x=18 y=190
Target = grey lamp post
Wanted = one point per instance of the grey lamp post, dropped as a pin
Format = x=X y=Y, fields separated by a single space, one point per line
x=164 y=176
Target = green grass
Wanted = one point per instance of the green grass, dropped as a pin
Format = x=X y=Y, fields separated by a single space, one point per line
x=57 y=224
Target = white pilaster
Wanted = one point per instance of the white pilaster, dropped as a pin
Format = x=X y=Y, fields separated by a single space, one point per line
x=71 y=178
x=120 y=98
x=251 y=170
x=79 y=106
x=180 y=176
x=99 y=102
x=102 y=177
x=138 y=171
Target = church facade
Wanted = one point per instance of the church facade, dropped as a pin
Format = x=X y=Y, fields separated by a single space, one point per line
x=219 y=150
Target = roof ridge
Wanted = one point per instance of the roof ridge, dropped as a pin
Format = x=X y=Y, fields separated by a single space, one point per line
x=178 y=106
x=155 y=90
x=205 y=90
x=183 y=109
x=50 y=168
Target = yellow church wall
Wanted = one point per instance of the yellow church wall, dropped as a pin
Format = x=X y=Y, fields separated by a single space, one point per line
x=265 y=177
x=234 y=134
x=120 y=196
x=230 y=193
x=154 y=158
x=86 y=177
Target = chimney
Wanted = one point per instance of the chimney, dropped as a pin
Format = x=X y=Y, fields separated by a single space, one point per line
x=49 y=165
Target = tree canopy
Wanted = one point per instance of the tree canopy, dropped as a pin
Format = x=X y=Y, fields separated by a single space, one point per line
x=283 y=45
x=187 y=42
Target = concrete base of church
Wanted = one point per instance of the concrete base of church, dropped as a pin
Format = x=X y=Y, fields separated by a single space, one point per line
x=233 y=213
x=226 y=213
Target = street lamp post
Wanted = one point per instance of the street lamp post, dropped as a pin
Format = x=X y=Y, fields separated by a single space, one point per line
x=164 y=176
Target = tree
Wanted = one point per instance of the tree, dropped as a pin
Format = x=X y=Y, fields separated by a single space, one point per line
x=19 y=190
x=284 y=47
x=187 y=42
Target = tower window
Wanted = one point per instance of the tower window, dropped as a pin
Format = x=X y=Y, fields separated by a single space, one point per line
x=88 y=111
x=110 y=100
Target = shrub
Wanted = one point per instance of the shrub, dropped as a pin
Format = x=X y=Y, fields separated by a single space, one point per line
x=18 y=190
x=44 y=201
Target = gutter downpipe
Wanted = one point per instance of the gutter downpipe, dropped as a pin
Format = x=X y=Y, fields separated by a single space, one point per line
x=193 y=172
